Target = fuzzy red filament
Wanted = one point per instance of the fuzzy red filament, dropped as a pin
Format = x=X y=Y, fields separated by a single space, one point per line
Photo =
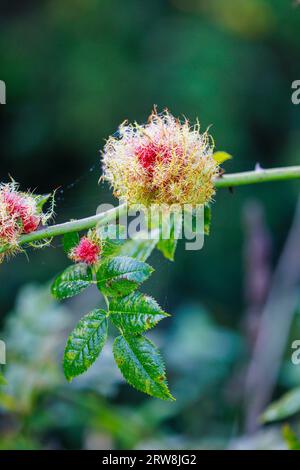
x=19 y=207
x=152 y=153
x=87 y=251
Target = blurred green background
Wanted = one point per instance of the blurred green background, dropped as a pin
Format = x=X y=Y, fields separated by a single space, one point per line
x=74 y=71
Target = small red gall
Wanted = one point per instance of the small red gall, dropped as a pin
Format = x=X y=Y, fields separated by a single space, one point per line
x=19 y=214
x=87 y=251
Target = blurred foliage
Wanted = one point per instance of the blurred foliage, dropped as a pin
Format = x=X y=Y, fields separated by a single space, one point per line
x=73 y=72
x=287 y=406
x=291 y=438
x=40 y=409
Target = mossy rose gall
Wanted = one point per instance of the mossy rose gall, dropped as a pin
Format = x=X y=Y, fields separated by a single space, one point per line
x=20 y=213
x=166 y=161
x=88 y=250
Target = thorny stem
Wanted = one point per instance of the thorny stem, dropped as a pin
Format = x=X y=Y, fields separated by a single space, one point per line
x=259 y=175
x=235 y=179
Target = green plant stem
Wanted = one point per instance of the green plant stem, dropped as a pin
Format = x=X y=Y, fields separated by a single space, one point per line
x=72 y=226
x=258 y=176
x=106 y=303
x=225 y=181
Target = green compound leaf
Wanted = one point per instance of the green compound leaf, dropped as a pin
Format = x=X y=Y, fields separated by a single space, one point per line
x=136 y=313
x=85 y=343
x=121 y=275
x=70 y=240
x=168 y=246
x=72 y=281
x=141 y=365
x=113 y=237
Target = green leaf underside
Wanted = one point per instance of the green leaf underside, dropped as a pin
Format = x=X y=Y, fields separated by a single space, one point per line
x=168 y=246
x=141 y=365
x=121 y=275
x=136 y=313
x=70 y=240
x=72 y=281
x=138 y=248
x=283 y=408
x=85 y=343
x=113 y=237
